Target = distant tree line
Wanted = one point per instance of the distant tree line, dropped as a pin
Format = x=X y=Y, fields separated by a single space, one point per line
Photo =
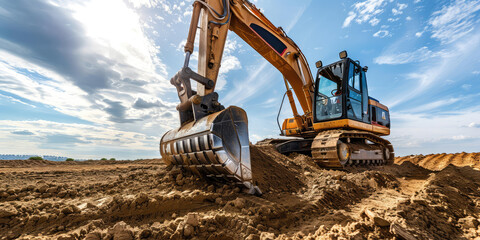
x=42 y=157
x=25 y=157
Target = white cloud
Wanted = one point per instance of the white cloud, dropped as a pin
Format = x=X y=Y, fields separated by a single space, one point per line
x=269 y=101
x=113 y=40
x=476 y=72
x=118 y=33
x=368 y=9
x=418 y=34
x=461 y=137
x=416 y=133
x=374 y=21
x=15 y=100
x=454 y=21
x=293 y=21
x=467 y=86
x=273 y=103
x=418 y=55
x=253 y=82
x=382 y=34
x=435 y=105
x=446 y=65
x=474 y=125
x=187 y=12
x=57 y=92
x=181 y=45
x=167 y=8
x=408 y=18
x=401 y=6
x=158 y=17
x=143 y=3
x=398 y=10
x=348 y=20
x=444 y=103
x=229 y=63
x=364 y=12
x=74 y=140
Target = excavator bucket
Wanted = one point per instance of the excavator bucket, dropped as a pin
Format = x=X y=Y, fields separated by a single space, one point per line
x=215 y=146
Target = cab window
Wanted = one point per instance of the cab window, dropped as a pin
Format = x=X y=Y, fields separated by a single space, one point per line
x=354 y=77
x=328 y=103
x=354 y=102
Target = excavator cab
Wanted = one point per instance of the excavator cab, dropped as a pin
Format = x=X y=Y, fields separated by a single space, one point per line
x=350 y=121
x=347 y=122
x=341 y=93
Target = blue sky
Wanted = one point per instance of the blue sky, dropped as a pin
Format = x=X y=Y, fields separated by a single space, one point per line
x=90 y=79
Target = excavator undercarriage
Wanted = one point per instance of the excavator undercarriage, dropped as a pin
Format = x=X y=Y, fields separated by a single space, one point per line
x=337 y=149
x=342 y=148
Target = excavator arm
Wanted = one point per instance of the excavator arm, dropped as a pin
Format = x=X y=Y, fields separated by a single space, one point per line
x=243 y=18
x=213 y=141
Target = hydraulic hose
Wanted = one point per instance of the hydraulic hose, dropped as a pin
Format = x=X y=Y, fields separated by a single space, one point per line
x=280 y=109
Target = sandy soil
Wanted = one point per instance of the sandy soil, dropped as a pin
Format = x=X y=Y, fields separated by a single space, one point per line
x=438 y=162
x=147 y=200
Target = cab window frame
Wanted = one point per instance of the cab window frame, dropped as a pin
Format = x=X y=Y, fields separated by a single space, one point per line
x=359 y=81
x=343 y=85
x=354 y=95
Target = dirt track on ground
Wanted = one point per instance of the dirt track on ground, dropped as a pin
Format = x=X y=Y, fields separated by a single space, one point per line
x=147 y=200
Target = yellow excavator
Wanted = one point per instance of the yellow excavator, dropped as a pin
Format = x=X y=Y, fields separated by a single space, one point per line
x=340 y=125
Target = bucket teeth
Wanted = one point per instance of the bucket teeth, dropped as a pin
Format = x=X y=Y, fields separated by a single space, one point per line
x=215 y=146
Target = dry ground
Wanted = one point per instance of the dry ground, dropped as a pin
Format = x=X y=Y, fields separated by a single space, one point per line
x=146 y=200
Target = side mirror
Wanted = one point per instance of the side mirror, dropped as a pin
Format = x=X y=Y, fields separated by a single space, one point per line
x=365 y=69
x=319 y=64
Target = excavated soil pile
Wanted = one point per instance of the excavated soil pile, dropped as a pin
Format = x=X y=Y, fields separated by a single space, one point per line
x=438 y=162
x=148 y=200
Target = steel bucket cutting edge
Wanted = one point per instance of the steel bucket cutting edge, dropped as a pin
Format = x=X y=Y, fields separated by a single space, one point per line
x=216 y=146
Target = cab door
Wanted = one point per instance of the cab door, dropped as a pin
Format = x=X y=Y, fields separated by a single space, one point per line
x=357 y=94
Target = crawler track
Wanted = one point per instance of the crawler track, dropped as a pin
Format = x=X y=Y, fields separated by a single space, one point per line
x=363 y=149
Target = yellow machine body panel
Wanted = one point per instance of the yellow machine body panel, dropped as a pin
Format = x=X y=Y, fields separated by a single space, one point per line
x=290 y=127
x=377 y=104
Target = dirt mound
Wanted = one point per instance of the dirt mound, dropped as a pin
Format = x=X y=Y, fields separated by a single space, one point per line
x=25 y=163
x=147 y=200
x=438 y=162
x=273 y=171
x=407 y=170
x=44 y=163
x=447 y=205
x=149 y=161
